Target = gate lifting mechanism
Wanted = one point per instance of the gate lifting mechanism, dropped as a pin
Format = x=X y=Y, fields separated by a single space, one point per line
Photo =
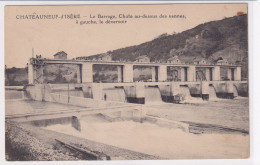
x=38 y=64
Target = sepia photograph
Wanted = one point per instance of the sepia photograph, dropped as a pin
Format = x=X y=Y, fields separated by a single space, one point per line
x=126 y=82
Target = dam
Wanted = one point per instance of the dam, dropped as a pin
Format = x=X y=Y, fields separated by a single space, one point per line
x=86 y=117
x=172 y=79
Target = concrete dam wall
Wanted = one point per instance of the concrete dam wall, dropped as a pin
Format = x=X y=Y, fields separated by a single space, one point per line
x=140 y=93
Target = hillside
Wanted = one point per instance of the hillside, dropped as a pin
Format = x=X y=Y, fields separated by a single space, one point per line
x=225 y=38
x=16 y=76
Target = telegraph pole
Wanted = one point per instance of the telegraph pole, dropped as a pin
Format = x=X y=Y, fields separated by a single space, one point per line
x=32 y=52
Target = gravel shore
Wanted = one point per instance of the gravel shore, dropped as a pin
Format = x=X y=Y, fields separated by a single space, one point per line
x=28 y=143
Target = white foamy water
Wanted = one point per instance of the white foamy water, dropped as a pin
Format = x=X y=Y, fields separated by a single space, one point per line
x=188 y=99
x=152 y=95
x=185 y=91
x=166 y=143
x=212 y=93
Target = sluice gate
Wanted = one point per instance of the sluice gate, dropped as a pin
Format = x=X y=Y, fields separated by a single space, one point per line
x=126 y=82
x=152 y=94
x=137 y=92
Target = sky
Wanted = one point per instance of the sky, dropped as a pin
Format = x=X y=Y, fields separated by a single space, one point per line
x=48 y=36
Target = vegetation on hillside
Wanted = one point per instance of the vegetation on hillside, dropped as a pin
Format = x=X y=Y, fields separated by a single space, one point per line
x=225 y=38
x=16 y=76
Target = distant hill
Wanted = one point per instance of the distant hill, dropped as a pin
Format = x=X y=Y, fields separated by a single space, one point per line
x=225 y=38
x=16 y=76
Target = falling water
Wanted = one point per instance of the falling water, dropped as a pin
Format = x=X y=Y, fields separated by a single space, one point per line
x=130 y=91
x=152 y=94
x=212 y=93
x=235 y=91
x=114 y=94
x=185 y=91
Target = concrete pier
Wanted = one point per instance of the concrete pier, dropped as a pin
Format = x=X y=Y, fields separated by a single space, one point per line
x=184 y=74
x=162 y=73
x=237 y=73
x=120 y=74
x=79 y=74
x=209 y=74
x=87 y=72
x=128 y=73
x=191 y=73
x=216 y=73
x=30 y=74
x=154 y=74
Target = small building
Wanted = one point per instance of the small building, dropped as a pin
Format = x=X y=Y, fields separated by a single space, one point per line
x=222 y=62
x=104 y=57
x=142 y=58
x=174 y=60
x=60 y=55
x=202 y=61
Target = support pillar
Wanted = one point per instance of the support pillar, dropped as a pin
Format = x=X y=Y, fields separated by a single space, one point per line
x=237 y=74
x=205 y=87
x=229 y=87
x=208 y=74
x=120 y=73
x=153 y=74
x=79 y=74
x=128 y=73
x=97 y=91
x=75 y=123
x=191 y=73
x=139 y=90
x=162 y=73
x=87 y=72
x=229 y=74
x=30 y=74
x=216 y=73
x=183 y=74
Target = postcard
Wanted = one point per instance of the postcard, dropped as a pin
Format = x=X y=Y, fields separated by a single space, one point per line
x=126 y=82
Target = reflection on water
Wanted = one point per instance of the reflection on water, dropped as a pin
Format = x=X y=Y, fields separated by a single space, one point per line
x=14 y=94
x=17 y=103
x=154 y=140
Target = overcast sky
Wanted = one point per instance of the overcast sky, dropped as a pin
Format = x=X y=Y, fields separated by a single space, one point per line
x=50 y=36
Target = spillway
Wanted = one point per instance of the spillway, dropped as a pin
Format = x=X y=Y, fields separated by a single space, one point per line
x=114 y=94
x=235 y=91
x=212 y=93
x=152 y=94
x=71 y=92
x=185 y=91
